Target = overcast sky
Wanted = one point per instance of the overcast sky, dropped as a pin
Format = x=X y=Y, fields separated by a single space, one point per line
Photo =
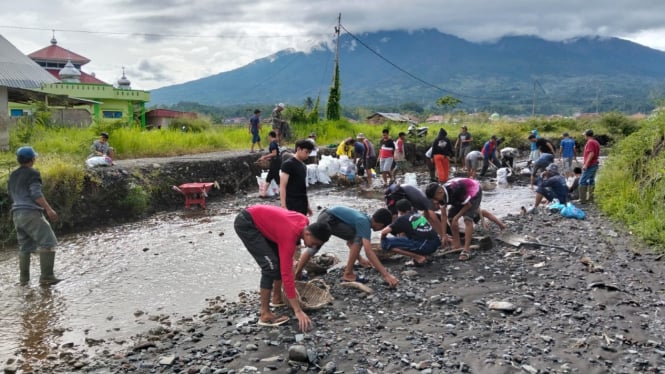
x=163 y=42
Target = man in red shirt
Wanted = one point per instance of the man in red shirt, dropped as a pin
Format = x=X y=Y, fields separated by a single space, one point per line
x=271 y=235
x=589 y=168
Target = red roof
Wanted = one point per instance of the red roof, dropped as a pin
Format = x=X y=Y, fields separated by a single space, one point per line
x=85 y=77
x=56 y=53
x=168 y=113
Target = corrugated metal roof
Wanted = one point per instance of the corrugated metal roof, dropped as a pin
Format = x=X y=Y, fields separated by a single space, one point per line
x=17 y=70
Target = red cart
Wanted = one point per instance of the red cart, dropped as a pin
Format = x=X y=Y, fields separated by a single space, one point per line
x=195 y=193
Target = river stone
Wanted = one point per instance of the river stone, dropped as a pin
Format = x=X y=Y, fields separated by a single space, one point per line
x=167 y=360
x=503 y=306
x=329 y=368
x=298 y=353
x=10 y=369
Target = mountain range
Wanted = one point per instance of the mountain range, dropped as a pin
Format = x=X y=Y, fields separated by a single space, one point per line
x=512 y=75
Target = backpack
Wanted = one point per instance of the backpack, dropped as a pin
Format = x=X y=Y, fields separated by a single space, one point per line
x=392 y=195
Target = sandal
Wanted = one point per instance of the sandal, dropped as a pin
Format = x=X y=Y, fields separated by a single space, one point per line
x=359 y=279
x=464 y=255
x=274 y=322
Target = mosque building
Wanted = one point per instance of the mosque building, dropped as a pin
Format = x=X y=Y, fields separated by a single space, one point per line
x=103 y=100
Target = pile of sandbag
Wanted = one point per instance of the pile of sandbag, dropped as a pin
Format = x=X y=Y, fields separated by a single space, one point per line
x=265 y=190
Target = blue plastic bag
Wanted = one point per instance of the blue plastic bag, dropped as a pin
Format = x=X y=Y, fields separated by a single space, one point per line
x=571 y=211
x=555 y=206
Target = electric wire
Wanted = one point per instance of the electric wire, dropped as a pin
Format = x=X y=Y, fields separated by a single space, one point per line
x=405 y=71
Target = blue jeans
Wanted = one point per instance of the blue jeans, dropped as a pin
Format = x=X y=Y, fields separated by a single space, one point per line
x=588 y=177
x=421 y=247
x=542 y=162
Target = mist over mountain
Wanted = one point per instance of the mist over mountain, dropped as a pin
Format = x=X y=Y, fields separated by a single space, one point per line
x=514 y=75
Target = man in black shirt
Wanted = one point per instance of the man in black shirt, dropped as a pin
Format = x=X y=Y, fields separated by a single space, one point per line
x=293 y=180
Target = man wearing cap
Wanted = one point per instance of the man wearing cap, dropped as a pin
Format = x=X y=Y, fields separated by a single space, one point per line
x=589 y=167
x=255 y=130
x=567 y=154
x=369 y=158
x=271 y=234
x=551 y=186
x=101 y=146
x=28 y=207
x=463 y=145
x=278 y=124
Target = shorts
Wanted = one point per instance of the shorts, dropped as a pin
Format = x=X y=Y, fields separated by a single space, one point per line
x=472 y=163
x=568 y=164
x=256 y=137
x=370 y=163
x=473 y=213
x=385 y=164
x=547 y=193
x=33 y=230
x=464 y=150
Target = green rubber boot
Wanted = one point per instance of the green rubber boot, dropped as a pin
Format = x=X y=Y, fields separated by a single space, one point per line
x=46 y=262
x=24 y=267
x=590 y=190
x=583 y=194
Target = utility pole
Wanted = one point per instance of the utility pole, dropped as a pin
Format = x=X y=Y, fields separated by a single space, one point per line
x=533 y=106
x=333 y=110
x=338 y=28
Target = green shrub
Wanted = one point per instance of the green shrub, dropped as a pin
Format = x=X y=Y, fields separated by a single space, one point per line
x=631 y=184
x=618 y=124
x=189 y=124
x=136 y=202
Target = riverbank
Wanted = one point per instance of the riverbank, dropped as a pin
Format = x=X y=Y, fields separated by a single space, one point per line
x=596 y=310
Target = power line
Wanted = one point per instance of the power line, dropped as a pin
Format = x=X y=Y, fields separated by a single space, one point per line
x=405 y=71
x=156 y=35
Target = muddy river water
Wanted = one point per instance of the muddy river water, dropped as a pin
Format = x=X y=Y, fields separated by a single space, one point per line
x=116 y=278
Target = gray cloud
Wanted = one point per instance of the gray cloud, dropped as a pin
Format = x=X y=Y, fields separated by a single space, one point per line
x=186 y=39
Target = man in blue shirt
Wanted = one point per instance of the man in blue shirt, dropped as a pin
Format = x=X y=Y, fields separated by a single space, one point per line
x=356 y=228
x=567 y=154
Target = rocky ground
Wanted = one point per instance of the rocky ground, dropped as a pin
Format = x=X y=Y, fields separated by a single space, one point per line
x=596 y=310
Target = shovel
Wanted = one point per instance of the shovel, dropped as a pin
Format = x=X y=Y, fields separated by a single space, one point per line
x=516 y=241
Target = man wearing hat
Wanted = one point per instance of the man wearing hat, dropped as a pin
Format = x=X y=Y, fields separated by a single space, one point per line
x=278 y=124
x=101 y=146
x=33 y=231
x=369 y=158
x=567 y=154
x=551 y=186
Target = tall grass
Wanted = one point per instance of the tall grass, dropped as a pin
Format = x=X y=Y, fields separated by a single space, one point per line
x=631 y=184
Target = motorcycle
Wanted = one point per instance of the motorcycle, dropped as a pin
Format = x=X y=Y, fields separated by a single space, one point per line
x=418 y=132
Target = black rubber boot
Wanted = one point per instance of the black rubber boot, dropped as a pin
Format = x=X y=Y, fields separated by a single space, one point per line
x=24 y=266
x=46 y=262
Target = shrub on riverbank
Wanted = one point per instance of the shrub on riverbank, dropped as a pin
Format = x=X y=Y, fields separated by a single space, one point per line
x=631 y=184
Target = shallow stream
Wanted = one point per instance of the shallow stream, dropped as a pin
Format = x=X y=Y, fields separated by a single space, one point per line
x=121 y=278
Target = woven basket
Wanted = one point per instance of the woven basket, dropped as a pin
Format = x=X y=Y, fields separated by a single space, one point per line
x=381 y=254
x=312 y=295
x=319 y=264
